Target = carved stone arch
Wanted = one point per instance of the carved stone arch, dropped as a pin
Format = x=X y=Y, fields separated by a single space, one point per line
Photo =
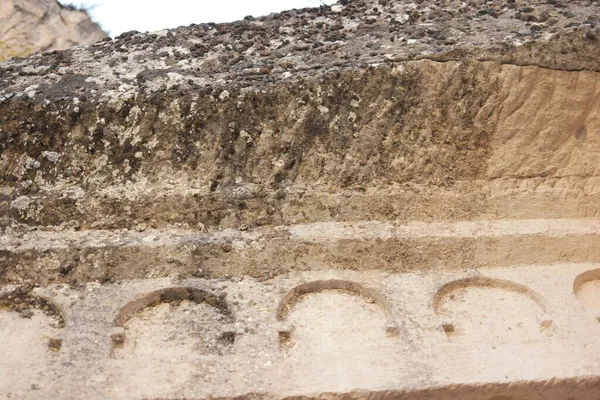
x=296 y=294
x=490 y=309
x=168 y=295
x=212 y=334
x=586 y=289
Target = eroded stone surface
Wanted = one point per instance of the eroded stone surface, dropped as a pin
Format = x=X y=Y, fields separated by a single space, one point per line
x=381 y=199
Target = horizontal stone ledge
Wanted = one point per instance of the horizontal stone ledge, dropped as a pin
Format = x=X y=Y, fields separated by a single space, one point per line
x=164 y=207
x=315 y=232
x=108 y=255
x=552 y=389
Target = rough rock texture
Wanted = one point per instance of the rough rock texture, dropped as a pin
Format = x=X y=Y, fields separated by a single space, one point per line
x=34 y=26
x=378 y=199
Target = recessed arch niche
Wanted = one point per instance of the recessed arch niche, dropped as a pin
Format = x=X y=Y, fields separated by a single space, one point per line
x=339 y=311
x=174 y=323
x=489 y=310
x=586 y=288
x=334 y=330
x=31 y=329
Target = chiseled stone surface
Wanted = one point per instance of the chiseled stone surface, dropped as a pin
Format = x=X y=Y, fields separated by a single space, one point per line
x=378 y=199
x=476 y=333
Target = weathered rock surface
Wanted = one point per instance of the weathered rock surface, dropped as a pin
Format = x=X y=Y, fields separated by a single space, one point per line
x=377 y=199
x=34 y=26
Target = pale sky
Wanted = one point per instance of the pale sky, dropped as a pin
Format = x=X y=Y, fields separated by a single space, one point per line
x=118 y=16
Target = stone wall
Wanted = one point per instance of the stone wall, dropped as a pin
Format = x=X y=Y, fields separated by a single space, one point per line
x=369 y=200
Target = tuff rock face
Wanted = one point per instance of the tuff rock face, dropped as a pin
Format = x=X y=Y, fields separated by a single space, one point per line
x=378 y=199
x=34 y=26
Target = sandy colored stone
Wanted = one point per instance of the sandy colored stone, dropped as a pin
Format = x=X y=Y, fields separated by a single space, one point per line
x=374 y=200
x=34 y=26
x=338 y=339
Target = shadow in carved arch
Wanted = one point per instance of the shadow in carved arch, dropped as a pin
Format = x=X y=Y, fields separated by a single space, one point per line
x=30 y=336
x=24 y=302
x=586 y=288
x=493 y=311
x=178 y=323
x=31 y=312
x=335 y=306
x=332 y=331
x=297 y=293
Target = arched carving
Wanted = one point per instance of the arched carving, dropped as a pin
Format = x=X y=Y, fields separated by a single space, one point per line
x=22 y=300
x=586 y=289
x=44 y=321
x=476 y=302
x=294 y=295
x=169 y=295
x=200 y=320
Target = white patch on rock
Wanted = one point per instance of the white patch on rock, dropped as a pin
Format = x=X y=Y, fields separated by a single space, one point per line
x=246 y=136
x=93 y=79
x=323 y=110
x=32 y=163
x=21 y=203
x=51 y=156
x=350 y=24
x=161 y=33
x=174 y=79
x=403 y=18
x=6 y=190
x=224 y=94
